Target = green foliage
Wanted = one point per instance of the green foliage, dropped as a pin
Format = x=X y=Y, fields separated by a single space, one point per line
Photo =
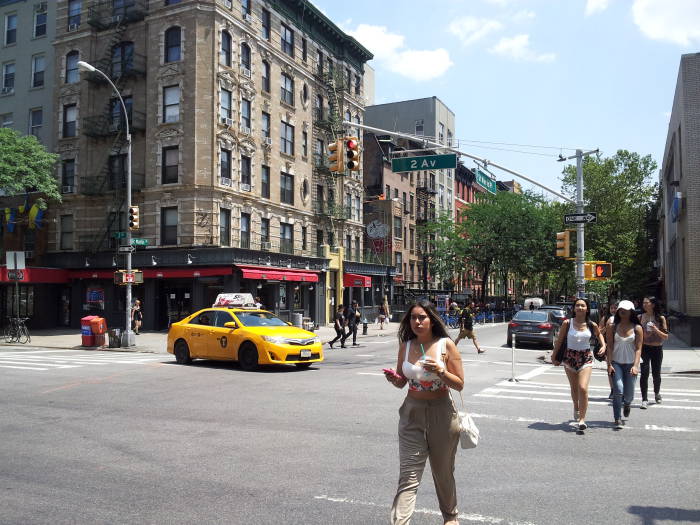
x=26 y=166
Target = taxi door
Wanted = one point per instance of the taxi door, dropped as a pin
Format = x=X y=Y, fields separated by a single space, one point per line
x=198 y=333
x=219 y=341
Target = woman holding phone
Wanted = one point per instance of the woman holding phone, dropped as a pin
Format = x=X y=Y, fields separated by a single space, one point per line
x=655 y=333
x=428 y=361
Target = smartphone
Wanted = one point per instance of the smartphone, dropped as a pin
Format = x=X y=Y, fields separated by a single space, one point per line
x=391 y=372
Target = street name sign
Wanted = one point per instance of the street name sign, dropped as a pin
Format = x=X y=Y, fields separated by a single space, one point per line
x=486 y=182
x=139 y=242
x=424 y=162
x=125 y=249
x=580 y=218
x=119 y=235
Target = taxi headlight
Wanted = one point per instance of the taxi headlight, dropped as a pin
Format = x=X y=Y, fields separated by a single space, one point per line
x=275 y=339
x=316 y=340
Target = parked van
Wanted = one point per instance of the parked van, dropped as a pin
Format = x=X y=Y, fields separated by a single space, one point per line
x=532 y=300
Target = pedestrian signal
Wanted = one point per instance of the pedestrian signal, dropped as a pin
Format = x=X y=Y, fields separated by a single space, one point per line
x=352 y=153
x=133 y=217
x=563 y=243
x=335 y=159
x=602 y=271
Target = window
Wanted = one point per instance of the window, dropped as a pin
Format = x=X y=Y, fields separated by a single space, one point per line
x=122 y=58
x=39 y=24
x=117 y=171
x=348 y=79
x=287 y=138
x=173 y=38
x=8 y=77
x=168 y=225
x=396 y=193
x=287 y=89
x=225 y=170
x=286 y=188
x=171 y=104
x=410 y=204
x=6 y=120
x=348 y=248
x=245 y=170
x=68 y=172
x=265 y=182
x=266 y=124
x=169 y=165
x=287 y=37
x=304 y=49
x=419 y=127
x=245 y=7
x=245 y=230
x=225 y=111
x=245 y=56
x=266 y=24
x=449 y=138
x=397 y=227
x=304 y=143
x=266 y=76
x=116 y=114
x=225 y=56
x=286 y=238
x=387 y=192
x=441 y=134
x=74 y=9
x=358 y=84
x=398 y=260
x=357 y=248
x=358 y=209
x=319 y=148
x=66 y=232
x=10 y=29
x=225 y=227
x=245 y=113
x=36 y=119
x=72 y=75
x=319 y=107
x=304 y=237
x=265 y=230
x=319 y=243
x=330 y=65
x=319 y=59
x=70 y=116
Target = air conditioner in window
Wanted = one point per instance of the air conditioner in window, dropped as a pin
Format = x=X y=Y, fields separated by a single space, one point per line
x=29 y=254
x=266 y=246
x=40 y=8
x=226 y=182
x=245 y=187
x=245 y=130
x=268 y=141
x=73 y=27
x=67 y=189
x=227 y=121
x=247 y=17
x=7 y=90
x=227 y=3
x=246 y=72
x=116 y=19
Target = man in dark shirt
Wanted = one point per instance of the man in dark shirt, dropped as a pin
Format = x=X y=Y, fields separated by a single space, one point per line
x=339 y=325
x=351 y=320
x=466 y=327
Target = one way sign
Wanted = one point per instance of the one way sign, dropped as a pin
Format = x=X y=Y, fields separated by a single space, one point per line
x=580 y=218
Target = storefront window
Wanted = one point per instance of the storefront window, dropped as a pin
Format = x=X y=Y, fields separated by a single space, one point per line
x=283 y=296
x=26 y=301
x=297 y=297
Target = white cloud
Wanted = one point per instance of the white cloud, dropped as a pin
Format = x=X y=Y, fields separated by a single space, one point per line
x=518 y=48
x=523 y=16
x=677 y=21
x=390 y=50
x=596 y=6
x=470 y=29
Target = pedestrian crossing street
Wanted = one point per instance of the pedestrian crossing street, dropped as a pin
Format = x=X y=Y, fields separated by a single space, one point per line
x=52 y=360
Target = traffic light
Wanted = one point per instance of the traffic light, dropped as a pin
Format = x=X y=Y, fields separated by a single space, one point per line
x=563 y=243
x=352 y=153
x=133 y=217
x=602 y=271
x=335 y=160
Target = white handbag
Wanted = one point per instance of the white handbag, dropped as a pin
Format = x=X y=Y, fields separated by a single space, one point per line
x=468 y=431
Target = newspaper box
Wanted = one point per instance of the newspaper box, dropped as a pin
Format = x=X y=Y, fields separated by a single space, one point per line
x=88 y=338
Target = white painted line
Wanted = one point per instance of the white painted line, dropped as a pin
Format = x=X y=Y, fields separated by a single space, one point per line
x=363 y=355
x=369 y=374
x=478 y=518
x=549 y=400
x=668 y=429
x=534 y=373
x=23 y=367
x=504 y=418
x=25 y=362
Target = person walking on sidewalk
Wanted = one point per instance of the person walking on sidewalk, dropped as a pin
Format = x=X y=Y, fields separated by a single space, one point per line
x=136 y=317
x=655 y=333
x=383 y=313
x=430 y=363
x=352 y=317
x=466 y=327
x=625 y=349
x=576 y=333
x=339 y=325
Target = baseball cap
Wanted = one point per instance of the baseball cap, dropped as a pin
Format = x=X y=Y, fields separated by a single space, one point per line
x=625 y=305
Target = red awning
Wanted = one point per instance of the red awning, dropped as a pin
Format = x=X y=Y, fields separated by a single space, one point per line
x=355 y=280
x=269 y=273
x=156 y=273
x=36 y=275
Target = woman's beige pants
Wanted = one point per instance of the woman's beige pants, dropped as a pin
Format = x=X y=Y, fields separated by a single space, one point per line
x=427 y=429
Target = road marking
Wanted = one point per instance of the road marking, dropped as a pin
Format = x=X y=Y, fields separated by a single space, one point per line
x=51 y=360
x=534 y=373
x=23 y=367
x=363 y=355
x=369 y=374
x=547 y=400
x=668 y=429
x=476 y=518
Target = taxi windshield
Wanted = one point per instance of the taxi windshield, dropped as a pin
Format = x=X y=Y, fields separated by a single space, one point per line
x=259 y=319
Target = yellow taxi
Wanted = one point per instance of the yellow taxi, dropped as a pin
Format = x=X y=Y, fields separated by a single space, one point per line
x=235 y=330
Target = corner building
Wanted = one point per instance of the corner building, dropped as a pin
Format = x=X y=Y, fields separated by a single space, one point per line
x=232 y=105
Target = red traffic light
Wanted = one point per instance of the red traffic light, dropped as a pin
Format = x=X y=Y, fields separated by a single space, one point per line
x=603 y=270
x=352 y=143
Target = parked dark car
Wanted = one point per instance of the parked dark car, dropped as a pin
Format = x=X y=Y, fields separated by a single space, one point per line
x=559 y=312
x=533 y=326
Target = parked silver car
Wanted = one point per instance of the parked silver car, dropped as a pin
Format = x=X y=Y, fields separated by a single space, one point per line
x=533 y=326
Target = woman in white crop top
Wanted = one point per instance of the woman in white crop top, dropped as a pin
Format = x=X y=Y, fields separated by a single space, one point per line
x=430 y=364
x=576 y=335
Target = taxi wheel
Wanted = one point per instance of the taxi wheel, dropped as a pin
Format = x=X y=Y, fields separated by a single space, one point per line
x=182 y=353
x=302 y=366
x=248 y=357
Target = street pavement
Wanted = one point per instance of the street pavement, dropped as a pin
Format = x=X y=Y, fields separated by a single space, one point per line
x=106 y=437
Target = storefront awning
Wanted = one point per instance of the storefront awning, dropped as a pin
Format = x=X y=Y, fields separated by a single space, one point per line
x=35 y=275
x=355 y=280
x=268 y=273
x=156 y=273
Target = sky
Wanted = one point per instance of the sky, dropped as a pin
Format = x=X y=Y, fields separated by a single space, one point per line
x=555 y=74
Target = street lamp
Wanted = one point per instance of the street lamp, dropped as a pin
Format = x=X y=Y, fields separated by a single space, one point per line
x=128 y=338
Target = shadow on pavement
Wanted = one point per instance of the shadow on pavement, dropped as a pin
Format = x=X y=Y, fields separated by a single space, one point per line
x=650 y=515
x=235 y=367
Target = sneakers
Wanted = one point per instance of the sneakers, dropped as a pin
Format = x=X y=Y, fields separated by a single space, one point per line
x=582 y=425
x=657 y=397
x=330 y=344
x=645 y=405
x=618 y=425
x=626 y=411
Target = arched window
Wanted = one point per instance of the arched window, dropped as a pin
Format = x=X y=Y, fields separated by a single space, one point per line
x=226 y=48
x=173 y=41
x=245 y=56
x=72 y=75
x=122 y=58
x=266 y=76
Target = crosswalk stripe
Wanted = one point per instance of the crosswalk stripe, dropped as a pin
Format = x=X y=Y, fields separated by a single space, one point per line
x=23 y=362
x=590 y=402
x=23 y=367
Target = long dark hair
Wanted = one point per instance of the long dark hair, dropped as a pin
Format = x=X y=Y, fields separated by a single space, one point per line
x=406 y=333
x=588 y=309
x=634 y=318
x=657 y=307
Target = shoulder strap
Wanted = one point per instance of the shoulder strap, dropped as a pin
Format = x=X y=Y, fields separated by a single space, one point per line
x=408 y=349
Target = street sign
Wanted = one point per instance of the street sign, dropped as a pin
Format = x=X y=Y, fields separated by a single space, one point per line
x=580 y=218
x=139 y=242
x=15 y=275
x=425 y=162
x=119 y=235
x=486 y=182
x=15 y=261
x=125 y=249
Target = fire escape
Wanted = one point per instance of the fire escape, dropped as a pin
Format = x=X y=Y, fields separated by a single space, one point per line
x=122 y=65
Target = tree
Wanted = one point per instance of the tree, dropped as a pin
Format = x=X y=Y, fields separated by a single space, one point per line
x=621 y=190
x=26 y=166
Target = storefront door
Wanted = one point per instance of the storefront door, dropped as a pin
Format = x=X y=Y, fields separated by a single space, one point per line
x=175 y=303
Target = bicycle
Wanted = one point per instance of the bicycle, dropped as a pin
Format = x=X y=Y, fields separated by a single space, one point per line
x=16 y=331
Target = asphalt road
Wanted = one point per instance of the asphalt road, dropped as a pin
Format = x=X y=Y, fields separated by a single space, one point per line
x=98 y=437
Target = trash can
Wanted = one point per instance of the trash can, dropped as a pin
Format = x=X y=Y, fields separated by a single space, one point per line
x=115 y=338
x=88 y=338
x=297 y=320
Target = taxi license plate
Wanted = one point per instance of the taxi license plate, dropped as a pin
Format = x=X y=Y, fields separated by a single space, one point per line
x=305 y=353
